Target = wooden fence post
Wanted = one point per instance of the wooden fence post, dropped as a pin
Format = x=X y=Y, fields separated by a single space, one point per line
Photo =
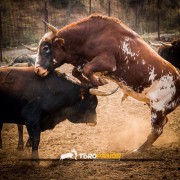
x=45 y=16
x=109 y=8
x=89 y=7
x=1 y=59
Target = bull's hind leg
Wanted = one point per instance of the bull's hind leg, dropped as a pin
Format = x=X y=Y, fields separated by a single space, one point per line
x=158 y=120
x=20 y=140
x=1 y=125
x=29 y=143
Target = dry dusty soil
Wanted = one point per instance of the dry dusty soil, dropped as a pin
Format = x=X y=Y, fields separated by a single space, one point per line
x=121 y=128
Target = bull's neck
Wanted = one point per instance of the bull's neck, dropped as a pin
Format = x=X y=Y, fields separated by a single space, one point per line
x=75 y=38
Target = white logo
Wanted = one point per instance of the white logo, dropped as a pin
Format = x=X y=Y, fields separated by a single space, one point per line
x=71 y=155
x=74 y=155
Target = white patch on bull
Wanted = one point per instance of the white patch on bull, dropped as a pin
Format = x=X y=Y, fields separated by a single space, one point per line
x=127 y=50
x=152 y=75
x=143 y=62
x=153 y=117
x=114 y=68
x=47 y=37
x=159 y=94
x=126 y=59
x=158 y=130
x=126 y=39
x=54 y=61
x=162 y=92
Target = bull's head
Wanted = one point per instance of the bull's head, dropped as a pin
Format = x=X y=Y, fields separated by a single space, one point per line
x=50 y=52
x=84 y=111
x=176 y=44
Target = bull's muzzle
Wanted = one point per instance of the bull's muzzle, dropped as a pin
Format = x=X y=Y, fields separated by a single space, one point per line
x=41 y=71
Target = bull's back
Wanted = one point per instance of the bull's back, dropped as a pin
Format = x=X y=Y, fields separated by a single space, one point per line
x=20 y=86
x=12 y=88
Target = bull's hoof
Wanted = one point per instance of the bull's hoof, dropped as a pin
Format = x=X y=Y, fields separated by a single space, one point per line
x=92 y=124
x=35 y=158
x=35 y=163
x=103 y=81
x=28 y=143
x=135 y=151
x=140 y=149
x=20 y=147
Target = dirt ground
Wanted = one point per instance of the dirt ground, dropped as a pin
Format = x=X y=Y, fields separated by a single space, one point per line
x=121 y=128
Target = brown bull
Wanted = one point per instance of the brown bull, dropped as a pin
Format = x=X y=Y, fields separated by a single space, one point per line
x=103 y=44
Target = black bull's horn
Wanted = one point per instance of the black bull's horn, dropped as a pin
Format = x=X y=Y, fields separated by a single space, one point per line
x=51 y=27
x=92 y=91
x=166 y=44
x=30 y=48
x=158 y=45
x=97 y=92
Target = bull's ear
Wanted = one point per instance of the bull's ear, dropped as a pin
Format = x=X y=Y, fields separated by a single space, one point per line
x=59 y=41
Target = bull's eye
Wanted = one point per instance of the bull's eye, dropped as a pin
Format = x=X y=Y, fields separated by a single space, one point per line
x=46 y=49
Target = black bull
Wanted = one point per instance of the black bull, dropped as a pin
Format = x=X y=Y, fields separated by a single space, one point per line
x=171 y=53
x=40 y=104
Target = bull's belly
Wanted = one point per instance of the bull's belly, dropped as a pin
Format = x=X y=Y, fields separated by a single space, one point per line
x=136 y=95
x=127 y=90
x=158 y=94
x=6 y=118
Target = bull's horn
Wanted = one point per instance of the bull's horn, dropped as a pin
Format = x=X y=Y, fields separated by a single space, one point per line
x=167 y=45
x=30 y=48
x=51 y=27
x=97 y=92
x=154 y=44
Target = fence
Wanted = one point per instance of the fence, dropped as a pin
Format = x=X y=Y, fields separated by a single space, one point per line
x=20 y=20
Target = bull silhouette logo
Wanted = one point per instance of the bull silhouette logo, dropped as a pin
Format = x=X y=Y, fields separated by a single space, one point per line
x=70 y=155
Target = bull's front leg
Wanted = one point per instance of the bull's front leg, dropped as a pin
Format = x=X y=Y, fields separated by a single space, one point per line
x=102 y=63
x=34 y=134
x=32 y=115
x=77 y=72
x=158 y=121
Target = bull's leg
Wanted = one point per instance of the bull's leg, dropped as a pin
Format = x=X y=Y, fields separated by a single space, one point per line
x=78 y=74
x=158 y=120
x=34 y=134
x=33 y=124
x=29 y=143
x=1 y=125
x=20 y=140
x=101 y=63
